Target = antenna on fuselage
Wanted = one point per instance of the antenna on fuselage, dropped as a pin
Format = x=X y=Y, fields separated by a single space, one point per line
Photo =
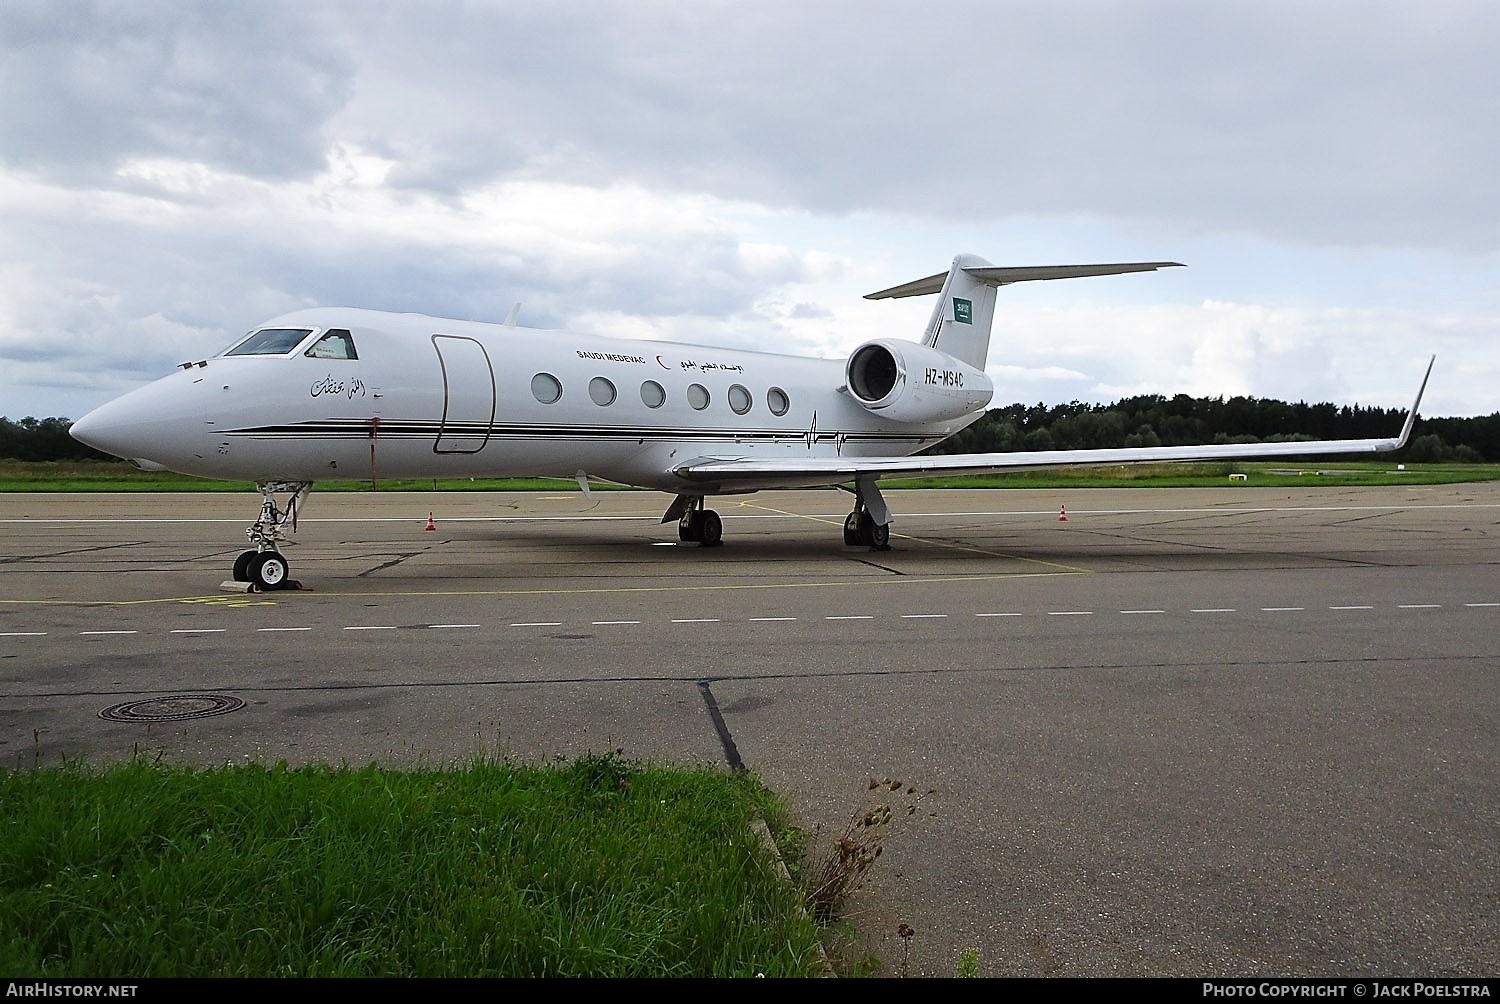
x=510 y=318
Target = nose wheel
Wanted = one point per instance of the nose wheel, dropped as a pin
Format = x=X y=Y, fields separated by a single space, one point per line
x=268 y=570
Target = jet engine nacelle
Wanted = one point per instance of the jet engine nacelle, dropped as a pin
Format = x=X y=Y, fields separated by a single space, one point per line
x=907 y=382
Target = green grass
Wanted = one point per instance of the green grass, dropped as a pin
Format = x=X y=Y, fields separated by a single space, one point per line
x=96 y=476
x=598 y=867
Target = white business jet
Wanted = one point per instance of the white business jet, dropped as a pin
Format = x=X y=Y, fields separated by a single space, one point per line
x=346 y=394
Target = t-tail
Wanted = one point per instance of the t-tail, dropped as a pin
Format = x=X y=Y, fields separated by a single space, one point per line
x=961 y=318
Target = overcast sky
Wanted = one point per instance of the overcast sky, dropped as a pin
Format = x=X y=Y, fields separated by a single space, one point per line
x=174 y=173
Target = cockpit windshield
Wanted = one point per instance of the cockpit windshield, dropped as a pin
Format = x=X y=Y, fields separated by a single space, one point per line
x=270 y=342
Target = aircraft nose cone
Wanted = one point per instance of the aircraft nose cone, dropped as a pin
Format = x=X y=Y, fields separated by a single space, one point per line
x=127 y=427
x=93 y=429
x=87 y=430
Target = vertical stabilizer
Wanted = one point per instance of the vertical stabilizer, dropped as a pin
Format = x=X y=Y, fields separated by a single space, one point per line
x=961 y=318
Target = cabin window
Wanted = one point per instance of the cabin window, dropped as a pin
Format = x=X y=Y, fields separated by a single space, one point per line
x=653 y=395
x=270 y=342
x=546 y=388
x=336 y=343
x=602 y=391
x=777 y=401
x=739 y=399
x=698 y=396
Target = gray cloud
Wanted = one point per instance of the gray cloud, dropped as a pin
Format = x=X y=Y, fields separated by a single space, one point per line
x=1367 y=123
x=85 y=86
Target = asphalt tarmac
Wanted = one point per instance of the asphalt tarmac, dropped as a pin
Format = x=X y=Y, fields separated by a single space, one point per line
x=1237 y=732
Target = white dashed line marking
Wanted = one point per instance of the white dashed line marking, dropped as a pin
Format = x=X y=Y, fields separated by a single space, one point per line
x=1140 y=611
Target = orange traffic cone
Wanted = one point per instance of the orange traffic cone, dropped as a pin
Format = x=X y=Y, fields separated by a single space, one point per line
x=430 y=524
x=1062 y=514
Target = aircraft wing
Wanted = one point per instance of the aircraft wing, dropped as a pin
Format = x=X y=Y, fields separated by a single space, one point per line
x=752 y=472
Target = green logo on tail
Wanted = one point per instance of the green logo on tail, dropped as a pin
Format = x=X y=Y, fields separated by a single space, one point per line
x=963 y=311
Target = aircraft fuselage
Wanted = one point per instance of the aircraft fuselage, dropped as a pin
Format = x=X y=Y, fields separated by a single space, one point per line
x=429 y=397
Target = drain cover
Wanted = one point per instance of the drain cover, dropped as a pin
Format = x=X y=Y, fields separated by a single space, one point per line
x=175 y=708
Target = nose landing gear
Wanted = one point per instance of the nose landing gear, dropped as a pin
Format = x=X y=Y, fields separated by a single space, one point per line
x=264 y=567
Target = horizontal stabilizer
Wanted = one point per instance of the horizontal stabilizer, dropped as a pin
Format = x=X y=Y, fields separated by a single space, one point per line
x=993 y=276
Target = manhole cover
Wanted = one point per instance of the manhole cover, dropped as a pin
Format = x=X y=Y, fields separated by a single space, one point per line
x=175 y=708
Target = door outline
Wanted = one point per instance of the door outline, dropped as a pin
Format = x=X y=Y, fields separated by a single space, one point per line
x=468 y=395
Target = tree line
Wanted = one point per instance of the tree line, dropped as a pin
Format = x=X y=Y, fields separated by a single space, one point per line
x=43 y=439
x=1147 y=420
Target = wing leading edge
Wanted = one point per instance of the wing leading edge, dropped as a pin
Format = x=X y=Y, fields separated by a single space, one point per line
x=750 y=472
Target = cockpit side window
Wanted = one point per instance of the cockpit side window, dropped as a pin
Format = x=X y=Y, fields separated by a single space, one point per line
x=270 y=342
x=336 y=343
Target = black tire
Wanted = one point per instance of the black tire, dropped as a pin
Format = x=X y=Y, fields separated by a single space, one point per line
x=690 y=527
x=851 y=529
x=880 y=536
x=242 y=566
x=268 y=571
x=710 y=529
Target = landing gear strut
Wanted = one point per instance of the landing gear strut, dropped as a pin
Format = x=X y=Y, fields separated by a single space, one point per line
x=869 y=525
x=264 y=567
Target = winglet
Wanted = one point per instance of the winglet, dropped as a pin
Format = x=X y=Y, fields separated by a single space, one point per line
x=1411 y=416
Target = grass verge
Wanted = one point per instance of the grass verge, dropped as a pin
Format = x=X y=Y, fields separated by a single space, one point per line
x=601 y=867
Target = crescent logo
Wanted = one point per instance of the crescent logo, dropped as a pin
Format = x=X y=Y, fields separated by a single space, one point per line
x=662 y=364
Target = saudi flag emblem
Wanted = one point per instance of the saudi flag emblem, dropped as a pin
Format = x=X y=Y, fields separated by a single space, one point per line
x=963 y=311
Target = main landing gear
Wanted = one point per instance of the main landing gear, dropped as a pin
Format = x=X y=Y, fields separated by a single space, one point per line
x=861 y=530
x=264 y=567
x=869 y=525
x=695 y=524
x=701 y=526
